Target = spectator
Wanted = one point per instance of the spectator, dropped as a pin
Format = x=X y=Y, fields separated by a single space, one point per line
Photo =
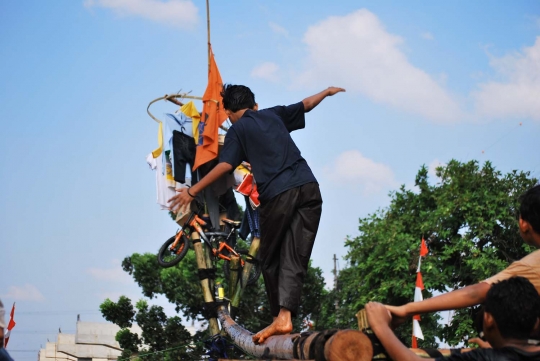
x=528 y=267
x=511 y=312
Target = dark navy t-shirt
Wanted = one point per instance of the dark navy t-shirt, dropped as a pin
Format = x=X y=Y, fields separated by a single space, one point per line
x=491 y=354
x=262 y=138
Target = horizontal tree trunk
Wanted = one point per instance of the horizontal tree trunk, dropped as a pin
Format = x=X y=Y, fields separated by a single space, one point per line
x=332 y=345
x=280 y=347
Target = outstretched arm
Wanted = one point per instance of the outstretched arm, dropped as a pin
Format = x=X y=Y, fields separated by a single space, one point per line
x=186 y=195
x=464 y=297
x=314 y=100
x=379 y=321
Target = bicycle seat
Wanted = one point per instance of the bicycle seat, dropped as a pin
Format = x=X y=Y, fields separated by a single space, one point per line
x=234 y=224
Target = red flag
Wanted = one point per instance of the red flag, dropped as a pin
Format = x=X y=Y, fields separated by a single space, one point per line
x=419 y=282
x=10 y=326
x=213 y=115
x=423 y=248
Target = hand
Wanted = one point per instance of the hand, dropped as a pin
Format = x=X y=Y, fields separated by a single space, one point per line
x=481 y=343
x=334 y=90
x=180 y=200
x=378 y=315
x=399 y=315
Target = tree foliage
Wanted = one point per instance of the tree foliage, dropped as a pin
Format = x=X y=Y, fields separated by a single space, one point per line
x=120 y=313
x=469 y=221
x=159 y=332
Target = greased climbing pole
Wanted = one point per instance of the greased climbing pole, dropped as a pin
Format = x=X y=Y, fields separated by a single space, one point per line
x=207 y=283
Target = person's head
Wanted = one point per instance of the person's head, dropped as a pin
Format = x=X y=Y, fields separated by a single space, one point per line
x=511 y=310
x=236 y=99
x=529 y=216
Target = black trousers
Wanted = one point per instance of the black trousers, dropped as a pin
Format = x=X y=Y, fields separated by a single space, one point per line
x=289 y=224
x=184 y=153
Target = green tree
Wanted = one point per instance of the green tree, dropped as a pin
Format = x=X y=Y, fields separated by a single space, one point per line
x=159 y=332
x=469 y=221
x=120 y=313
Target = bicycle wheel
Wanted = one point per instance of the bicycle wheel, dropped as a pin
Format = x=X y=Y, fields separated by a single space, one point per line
x=167 y=257
x=255 y=271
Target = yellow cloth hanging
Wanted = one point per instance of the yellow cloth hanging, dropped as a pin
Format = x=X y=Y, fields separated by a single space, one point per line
x=191 y=111
x=156 y=153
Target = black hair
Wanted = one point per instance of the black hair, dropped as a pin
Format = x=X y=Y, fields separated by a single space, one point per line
x=237 y=97
x=514 y=304
x=529 y=209
x=478 y=320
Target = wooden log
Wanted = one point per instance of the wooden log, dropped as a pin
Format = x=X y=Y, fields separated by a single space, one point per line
x=329 y=345
x=348 y=345
x=208 y=293
x=280 y=347
x=302 y=349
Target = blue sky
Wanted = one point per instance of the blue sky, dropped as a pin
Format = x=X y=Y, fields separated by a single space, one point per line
x=426 y=82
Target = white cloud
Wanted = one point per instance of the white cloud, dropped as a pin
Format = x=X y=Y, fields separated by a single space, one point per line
x=517 y=95
x=278 y=29
x=267 y=71
x=181 y=13
x=427 y=35
x=357 y=53
x=27 y=292
x=114 y=274
x=352 y=168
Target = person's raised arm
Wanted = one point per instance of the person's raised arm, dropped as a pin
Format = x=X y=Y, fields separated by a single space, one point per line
x=314 y=100
x=186 y=195
x=464 y=297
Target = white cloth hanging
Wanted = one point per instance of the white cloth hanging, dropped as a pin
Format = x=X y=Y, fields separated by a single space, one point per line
x=164 y=192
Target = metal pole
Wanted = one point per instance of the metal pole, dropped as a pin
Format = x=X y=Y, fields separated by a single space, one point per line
x=208 y=30
x=336 y=303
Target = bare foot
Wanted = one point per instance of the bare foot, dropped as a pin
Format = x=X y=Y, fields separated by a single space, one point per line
x=282 y=325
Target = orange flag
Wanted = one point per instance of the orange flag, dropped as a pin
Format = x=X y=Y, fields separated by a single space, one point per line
x=213 y=115
x=423 y=248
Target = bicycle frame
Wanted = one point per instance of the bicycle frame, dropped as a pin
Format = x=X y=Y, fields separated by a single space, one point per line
x=195 y=222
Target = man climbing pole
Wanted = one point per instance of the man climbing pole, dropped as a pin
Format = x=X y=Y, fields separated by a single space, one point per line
x=290 y=199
